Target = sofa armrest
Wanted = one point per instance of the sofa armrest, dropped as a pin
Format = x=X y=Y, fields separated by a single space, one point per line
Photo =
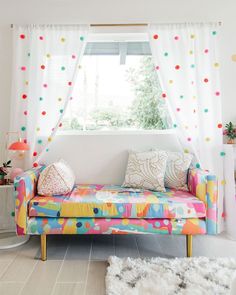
x=25 y=187
x=204 y=186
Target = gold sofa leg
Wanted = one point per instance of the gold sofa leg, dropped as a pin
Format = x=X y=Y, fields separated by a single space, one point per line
x=43 y=247
x=189 y=245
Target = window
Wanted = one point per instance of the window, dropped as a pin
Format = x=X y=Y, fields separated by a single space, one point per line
x=117 y=89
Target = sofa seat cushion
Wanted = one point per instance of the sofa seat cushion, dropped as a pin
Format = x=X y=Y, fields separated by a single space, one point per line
x=109 y=201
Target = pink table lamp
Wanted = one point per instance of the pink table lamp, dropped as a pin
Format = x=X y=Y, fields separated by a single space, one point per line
x=19 y=146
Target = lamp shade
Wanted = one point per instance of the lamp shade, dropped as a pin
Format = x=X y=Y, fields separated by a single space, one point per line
x=18 y=146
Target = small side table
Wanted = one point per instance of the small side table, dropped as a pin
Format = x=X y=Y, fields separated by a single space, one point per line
x=8 y=237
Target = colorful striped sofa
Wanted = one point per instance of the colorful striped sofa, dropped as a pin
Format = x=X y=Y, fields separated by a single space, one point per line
x=112 y=209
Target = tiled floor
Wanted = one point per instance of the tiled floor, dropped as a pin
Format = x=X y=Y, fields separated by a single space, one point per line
x=77 y=264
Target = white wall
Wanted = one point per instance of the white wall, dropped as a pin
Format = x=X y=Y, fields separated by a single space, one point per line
x=102 y=159
x=5 y=83
x=113 y=11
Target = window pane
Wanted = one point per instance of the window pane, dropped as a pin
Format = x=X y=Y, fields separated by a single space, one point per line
x=117 y=89
x=112 y=48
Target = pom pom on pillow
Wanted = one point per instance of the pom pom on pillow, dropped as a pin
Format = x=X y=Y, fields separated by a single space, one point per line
x=56 y=179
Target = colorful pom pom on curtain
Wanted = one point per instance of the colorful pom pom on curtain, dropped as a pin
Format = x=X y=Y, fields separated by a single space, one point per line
x=46 y=64
x=187 y=55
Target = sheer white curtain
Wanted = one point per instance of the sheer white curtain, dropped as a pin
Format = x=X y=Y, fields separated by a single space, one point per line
x=45 y=65
x=187 y=62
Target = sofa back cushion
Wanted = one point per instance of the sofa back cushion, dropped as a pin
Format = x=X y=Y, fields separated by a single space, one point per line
x=57 y=178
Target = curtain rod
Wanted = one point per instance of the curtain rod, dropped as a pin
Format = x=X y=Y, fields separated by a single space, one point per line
x=127 y=25
x=121 y=25
x=113 y=25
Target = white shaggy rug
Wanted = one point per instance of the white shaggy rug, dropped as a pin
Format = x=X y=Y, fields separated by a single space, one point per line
x=180 y=276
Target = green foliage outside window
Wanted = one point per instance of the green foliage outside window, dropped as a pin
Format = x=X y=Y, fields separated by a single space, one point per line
x=148 y=110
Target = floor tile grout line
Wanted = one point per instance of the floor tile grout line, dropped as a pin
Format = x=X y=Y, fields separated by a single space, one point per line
x=137 y=246
x=62 y=263
x=89 y=261
x=115 y=245
x=11 y=282
x=114 y=249
x=69 y=282
x=6 y=268
x=28 y=277
x=159 y=244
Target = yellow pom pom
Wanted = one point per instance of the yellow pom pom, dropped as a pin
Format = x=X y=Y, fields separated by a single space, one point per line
x=234 y=57
x=223 y=182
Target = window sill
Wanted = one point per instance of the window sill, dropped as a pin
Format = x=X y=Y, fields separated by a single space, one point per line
x=119 y=132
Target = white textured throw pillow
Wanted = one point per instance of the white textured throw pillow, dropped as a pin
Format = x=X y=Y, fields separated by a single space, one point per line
x=146 y=170
x=177 y=170
x=56 y=179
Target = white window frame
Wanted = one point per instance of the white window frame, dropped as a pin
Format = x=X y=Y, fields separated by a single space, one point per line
x=117 y=34
x=118 y=132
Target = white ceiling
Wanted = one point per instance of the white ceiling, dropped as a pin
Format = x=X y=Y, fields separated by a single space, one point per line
x=113 y=11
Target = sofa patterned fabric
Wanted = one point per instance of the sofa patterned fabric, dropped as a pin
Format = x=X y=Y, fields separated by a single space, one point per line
x=110 y=209
x=205 y=187
x=189 y=226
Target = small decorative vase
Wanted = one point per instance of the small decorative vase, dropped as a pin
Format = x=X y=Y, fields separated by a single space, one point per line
x=230 y=141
